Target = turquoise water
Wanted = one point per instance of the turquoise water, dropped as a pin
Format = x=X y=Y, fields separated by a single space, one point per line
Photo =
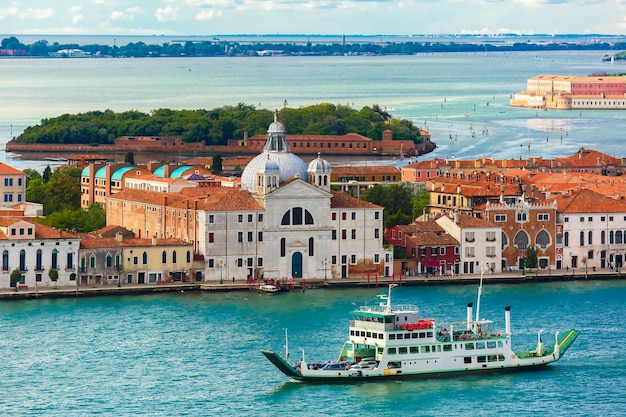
x=198 y=354
x=461 y=98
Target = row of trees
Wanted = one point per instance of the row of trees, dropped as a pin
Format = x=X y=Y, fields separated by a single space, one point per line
x=217 y=47
x=217 y=126
x=59 y=192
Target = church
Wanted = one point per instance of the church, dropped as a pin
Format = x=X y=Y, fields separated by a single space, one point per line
x=284 y=221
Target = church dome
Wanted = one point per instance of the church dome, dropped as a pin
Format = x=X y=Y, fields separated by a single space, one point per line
x=319 y=166
x=276 y=157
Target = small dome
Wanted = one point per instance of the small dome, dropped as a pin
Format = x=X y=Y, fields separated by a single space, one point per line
x=271 y=167
x=318 y=166
x=287 y=164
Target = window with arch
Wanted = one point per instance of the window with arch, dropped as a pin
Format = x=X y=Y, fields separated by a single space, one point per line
x=92 y=261
x=603 y=237
x=188 y=256
x=505 y=240
x=38 y=263
x=566 y=238
x=173 y=257
x=22 y=260
x=542 y=239
x=164 y=257
x=618 y=237
x=283 y=247
x=520 y=241
x=5 y=260
x=311 y=246
x=296 y=216
x=54 y=264
x=144 y=258
x=109 y=260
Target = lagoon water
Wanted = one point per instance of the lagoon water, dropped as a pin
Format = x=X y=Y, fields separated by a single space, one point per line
x=198 y=354
x=462 y=99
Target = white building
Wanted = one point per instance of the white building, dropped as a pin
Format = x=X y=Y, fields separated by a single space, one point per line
x=35 y=249
x=284 y=221
x=481 y=242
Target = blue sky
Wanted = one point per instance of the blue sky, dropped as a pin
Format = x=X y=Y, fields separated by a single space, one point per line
x=368 y=17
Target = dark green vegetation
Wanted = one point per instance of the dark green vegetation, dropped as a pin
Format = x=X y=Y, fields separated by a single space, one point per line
x=60 y=195
x=402 y=202
x=219 y=47
x=217 y=126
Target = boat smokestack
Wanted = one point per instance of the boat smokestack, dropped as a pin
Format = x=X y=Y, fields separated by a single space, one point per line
x=469 y=315
x=507 y=320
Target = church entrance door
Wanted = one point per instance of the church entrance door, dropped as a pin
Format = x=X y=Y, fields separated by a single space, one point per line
x=296 y=265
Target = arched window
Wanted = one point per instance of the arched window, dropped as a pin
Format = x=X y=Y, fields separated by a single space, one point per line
x=188 y=256
x=521 y=240
x=22 y=260
x=582 y=238
x=543 y=239
x=92 y=261
x=590 y=238
x=55 y=259
x=164 y=257
x=603 y=237
x=283 y=247
x=173 y=257
x=5 y=260
x=38 y=264
x=109 y=260
x=311 y=245
x=618 y=237
x=505 y=240
x=144 y=258
x=566 y=238
x=296 y=216
x=611 y=237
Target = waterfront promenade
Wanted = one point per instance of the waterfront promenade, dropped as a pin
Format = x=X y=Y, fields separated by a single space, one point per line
x=514 y=277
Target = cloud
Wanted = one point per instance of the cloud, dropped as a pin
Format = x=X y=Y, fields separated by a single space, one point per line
x=166 y=14
x=208 y=14
x=127 y=14
x=77 y=18
x=36 y=14
x=74 y=9
x=8 y=11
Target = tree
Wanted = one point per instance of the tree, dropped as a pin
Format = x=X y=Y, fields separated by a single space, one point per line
x=16 y=276
x=531 y=257
x=129 y=158
x=47 y=173
x=217 y=162
x=401 y=202
x=53 y=274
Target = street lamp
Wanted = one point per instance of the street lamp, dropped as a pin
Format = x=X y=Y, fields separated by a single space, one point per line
x=221 y=269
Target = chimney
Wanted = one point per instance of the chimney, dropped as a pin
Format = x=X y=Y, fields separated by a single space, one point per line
x=154 y=240
x=119 y=237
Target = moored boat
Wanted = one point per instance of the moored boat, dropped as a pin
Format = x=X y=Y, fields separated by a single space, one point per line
x=269 y=288
x=393 y=341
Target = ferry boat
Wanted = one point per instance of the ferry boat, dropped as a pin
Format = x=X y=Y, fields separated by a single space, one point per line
x=393 y=342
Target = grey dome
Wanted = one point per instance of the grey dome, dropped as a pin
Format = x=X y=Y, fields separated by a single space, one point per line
x=318 y=166
x=276 y=158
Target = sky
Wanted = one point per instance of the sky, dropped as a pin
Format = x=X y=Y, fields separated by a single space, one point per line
x=366 y=17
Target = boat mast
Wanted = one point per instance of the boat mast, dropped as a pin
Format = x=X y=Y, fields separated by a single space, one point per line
x=388 y=297
x=480 y=292
x=286 y=344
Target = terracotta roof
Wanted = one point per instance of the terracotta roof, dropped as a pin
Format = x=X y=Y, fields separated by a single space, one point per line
x=433 y=238
x=588 y=201
x=41 y=231
x=9 y=170
x=365 y=170
x=111 y=242
x=340 y=200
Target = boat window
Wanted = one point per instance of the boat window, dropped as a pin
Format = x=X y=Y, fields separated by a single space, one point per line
x=481 y=359
x=402 y=351
x=491 y=345
x=351 y=332
x=425 y=349
x=380 y=350
x=368 y=334
x=480 y=345
x=469 y=346
x=414 y=349
x=422 y=335
x=499 y=343
x=467 y=359
x=392 y=337
x=391 y=351
x=389 y=319
x=429 y=334
x=447 y=348
x=414 y=335
x=362 y=333
x=438 y=348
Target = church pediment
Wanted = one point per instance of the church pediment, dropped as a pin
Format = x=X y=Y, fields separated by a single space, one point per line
x=298 y=188
x=297 y=245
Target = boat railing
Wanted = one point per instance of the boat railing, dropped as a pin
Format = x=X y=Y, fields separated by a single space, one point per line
x=394 y=308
